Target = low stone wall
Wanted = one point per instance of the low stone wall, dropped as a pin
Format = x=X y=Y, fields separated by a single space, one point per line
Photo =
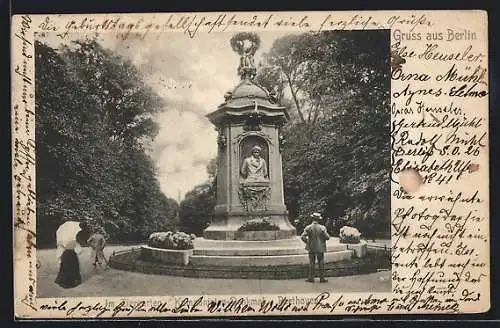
x=380 y=250
x=360 y=249
x=133 y=261
x=167 y=256
x=266 y=261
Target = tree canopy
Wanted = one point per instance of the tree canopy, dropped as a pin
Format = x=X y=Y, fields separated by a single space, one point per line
x=196 y=210
x=337 y=155
x=94 y=119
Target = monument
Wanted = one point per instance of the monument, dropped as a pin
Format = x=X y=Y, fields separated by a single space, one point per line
x=249 y=190
x=249 y=167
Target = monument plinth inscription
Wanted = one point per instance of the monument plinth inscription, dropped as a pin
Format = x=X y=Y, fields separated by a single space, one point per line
x=249 y=175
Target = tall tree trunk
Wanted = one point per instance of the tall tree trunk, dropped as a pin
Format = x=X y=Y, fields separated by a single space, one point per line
x=294 y=95
x=316 y=114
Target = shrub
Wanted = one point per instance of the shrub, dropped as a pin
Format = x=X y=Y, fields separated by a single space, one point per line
x=258 y=225
x=171 y=240
x=349 y=235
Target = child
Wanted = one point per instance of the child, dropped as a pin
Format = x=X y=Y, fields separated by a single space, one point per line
x=97 y=242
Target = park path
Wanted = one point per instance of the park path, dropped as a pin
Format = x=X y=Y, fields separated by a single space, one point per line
x=112 y=282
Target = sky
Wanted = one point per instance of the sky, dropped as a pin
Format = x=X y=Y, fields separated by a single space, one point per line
x=191 y=75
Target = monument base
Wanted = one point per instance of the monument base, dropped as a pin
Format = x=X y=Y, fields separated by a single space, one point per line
x=225 y=226
x=277 y=259
x=289 y=251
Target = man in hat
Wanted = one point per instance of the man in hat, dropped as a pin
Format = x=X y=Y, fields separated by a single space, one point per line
x=315 y=237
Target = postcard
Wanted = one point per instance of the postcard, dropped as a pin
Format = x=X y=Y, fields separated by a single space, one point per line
x=232 y=164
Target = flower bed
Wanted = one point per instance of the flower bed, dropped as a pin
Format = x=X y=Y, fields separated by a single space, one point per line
x=349 y=235
x=171 y=240
x=169 y=248
x=259 y=230
x=258 y=225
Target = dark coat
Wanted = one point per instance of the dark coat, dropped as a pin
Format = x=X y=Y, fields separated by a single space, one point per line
x=69 y=270
x=315 y=237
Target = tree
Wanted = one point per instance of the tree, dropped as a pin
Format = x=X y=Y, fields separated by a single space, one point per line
x=94 y=118
x=196 y=210
x=337 y=155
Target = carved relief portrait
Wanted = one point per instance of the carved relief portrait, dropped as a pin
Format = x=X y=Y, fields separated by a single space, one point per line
x=254 y=160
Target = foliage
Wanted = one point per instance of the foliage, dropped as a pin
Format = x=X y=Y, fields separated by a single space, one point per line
x=258 y=225
x=196 y=210
x=94 y=120
x=171 y=240
x=337 y=157
x=197 y=207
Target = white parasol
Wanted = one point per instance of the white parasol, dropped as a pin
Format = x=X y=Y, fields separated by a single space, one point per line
x=66 y=237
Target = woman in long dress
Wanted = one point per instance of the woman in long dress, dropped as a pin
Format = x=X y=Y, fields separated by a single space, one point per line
x=69 y=269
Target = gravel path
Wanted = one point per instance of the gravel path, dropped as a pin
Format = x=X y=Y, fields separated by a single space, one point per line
x=111 y=282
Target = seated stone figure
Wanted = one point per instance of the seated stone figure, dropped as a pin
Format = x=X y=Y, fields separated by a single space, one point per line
x=254 y=168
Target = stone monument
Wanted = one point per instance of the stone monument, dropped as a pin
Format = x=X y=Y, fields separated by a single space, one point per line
x=249 y=187
x=249 y=168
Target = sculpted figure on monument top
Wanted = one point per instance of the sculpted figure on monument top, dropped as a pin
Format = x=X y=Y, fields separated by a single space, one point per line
x=246 y=44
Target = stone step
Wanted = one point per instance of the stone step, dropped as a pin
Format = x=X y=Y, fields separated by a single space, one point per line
x=295 y=242
x=273 y=260
x=261 y=251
